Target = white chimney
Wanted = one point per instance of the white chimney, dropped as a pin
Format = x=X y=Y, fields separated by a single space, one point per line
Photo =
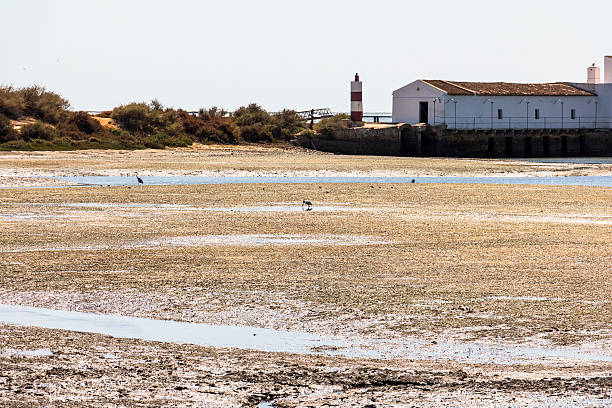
x=593 y=74
x=608 y=69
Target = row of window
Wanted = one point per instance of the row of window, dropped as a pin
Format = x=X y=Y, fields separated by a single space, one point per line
x=500 y=114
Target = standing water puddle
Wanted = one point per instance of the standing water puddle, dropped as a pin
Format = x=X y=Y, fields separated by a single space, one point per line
x=258 y=240
x=46 y=352
x=601 y=181
x=217 y=240
x=181 y=207
x=255 y=338
x=242 y=337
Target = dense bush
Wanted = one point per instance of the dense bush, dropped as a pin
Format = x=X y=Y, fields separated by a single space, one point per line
x=251 y=115
x=37 y=131
x=134 y=117
x=44 y=105
x=257 y=125
x=12 y=104
x=161 y=140
x=33 y=101
x=286 y=124
x=148 y=120
x=84 y=123
x=212 y=113
x=6 y=130
x=257 y=132
x=329 y=126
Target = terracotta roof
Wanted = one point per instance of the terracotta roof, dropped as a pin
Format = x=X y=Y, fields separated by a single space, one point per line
x=507 y=88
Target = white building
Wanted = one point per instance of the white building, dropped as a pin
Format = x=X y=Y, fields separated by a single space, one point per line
x=503 y=105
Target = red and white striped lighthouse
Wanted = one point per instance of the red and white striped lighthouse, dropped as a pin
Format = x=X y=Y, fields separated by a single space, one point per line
x=356 y=100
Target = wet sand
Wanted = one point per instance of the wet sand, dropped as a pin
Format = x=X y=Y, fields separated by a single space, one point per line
x=434 y=267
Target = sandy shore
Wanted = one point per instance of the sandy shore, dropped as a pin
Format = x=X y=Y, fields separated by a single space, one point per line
x=423 y=266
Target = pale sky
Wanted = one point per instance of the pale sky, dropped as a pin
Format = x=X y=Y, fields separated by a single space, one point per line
x=290 y=54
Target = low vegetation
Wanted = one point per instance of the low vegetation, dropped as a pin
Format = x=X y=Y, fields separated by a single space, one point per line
x=33 y=118
x=329 y=126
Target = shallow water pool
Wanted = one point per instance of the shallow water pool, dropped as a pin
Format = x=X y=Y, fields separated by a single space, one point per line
x=601 y=181
x=261 y=339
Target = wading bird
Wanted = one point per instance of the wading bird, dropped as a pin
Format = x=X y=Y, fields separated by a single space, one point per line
x=308 y=205
x=139 y=179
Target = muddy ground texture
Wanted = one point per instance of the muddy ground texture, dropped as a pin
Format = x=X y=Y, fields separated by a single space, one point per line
x=500 y=265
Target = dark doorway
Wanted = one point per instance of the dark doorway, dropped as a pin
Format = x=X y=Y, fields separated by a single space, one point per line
x=564 y=146
x=583 y=145
x=491 y=147
x=423 y=112
x=528 y=146
x=509 y=146
x=546 y=146
x=409 y=143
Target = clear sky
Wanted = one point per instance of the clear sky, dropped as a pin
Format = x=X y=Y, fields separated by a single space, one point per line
x=290 y=54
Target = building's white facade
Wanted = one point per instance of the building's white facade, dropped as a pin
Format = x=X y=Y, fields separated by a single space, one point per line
x=422 y=102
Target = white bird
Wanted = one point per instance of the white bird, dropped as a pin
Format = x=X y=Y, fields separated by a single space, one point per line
x=308 y=205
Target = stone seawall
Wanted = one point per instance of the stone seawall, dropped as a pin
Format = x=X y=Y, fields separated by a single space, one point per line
x=407 y=140
x=360 y=141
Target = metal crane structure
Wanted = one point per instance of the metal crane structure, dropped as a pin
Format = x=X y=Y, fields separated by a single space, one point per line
x=315 y=114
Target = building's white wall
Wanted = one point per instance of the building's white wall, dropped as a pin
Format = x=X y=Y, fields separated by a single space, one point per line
x=473 y=111
x=608 y=69
x=604 y=102
x=604 y=108
x=406 y=102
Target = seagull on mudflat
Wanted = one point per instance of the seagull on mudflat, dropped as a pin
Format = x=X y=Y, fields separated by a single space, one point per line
x=308 y=205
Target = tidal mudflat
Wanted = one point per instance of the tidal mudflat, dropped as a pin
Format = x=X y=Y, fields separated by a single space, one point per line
x=453 y=294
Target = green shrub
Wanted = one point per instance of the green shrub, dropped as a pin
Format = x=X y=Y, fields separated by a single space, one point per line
x=148 y=120
x=251 y=115
x=286 y=124
x=42 y=104
x=256 y=125
x=12 y=104
x=37 y=131
x=306 y=133
x=191 y=123
x=329 y=126
x=133 y=117
x=212 y=113
x=161 y=140
x=7 y=132
x=256 y=132
x=85 y=123
x=219 y=130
